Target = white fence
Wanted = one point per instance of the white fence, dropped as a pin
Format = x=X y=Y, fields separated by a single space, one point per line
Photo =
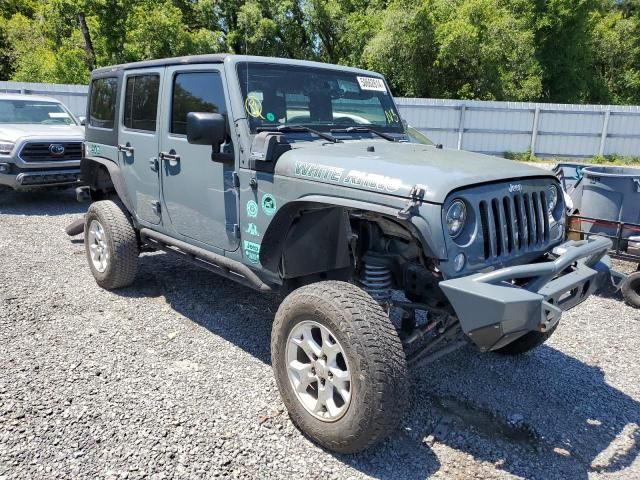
x=547 y=130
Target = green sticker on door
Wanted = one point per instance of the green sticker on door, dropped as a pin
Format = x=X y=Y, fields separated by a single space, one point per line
x=252 y=209
x=252 y=251
x=252 y=229
x=268 y=204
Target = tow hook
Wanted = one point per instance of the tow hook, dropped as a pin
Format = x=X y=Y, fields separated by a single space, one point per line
x=416 y=195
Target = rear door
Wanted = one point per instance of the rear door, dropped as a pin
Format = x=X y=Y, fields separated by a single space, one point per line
x=198 y=192
x=138 y=140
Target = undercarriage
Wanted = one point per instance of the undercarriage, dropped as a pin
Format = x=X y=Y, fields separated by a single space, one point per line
x=489 y=310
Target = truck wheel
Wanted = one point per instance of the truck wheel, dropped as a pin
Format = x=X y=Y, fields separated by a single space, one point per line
x=339 y=366
x=527 y=342
x=631 y=290
x=111 y=245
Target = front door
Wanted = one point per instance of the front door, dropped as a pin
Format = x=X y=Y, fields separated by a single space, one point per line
x=198 y=192
x=138 y=141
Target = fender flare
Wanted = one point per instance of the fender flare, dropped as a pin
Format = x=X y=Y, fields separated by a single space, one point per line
x=114 y=173
x=275 y=237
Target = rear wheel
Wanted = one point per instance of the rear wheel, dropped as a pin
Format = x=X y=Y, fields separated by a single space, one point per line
x=527 y=342
x=339 y=365
x=111 y=245
x=631 y=290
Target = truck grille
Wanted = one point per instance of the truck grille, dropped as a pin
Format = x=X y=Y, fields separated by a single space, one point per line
x=46 y=151
x=513 y=224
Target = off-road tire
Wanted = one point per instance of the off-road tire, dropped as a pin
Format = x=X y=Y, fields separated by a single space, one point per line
x=527 y=342
x=631 y=290
x=374 y=353
x=122 y=243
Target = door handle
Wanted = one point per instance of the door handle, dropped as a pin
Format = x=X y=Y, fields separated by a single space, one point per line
x=171 y=156
x=128 y=149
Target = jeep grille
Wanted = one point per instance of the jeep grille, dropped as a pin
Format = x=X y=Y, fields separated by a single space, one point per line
x=515 y=223
x=40 y=152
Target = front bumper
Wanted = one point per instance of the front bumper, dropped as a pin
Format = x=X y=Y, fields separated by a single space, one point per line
x=498 y=307
x=29 y=179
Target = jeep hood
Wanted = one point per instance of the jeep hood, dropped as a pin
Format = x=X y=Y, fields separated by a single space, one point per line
x=394 y=168
x=15 y=131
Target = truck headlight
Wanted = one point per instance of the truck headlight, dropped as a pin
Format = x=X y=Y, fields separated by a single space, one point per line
x=456 y=218
x=552 y=193
x=6 y=147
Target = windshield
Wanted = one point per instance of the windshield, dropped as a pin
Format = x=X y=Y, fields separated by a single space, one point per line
x=34 y=112
x=320 y=98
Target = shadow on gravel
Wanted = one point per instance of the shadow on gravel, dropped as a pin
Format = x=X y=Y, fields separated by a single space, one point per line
x=40 y=202
x=234 y=312
x=544 y=415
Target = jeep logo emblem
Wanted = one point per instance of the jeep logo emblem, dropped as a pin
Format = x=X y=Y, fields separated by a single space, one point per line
x=56 y=149
x=515 y=187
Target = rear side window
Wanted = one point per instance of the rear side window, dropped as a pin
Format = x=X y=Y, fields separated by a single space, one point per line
x=141 y=102
x=195 y=92
x=102 y=110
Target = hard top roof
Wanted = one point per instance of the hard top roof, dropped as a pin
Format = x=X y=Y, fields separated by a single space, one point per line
x=219 y=58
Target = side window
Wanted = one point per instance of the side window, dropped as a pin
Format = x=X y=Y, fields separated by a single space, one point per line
x=141 y=102
x=102 y=110
x=195 y=92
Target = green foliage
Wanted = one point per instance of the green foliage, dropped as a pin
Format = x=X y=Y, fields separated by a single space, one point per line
x=598 y=159
x=616 y=160
x=527 y=156
x=526 y=50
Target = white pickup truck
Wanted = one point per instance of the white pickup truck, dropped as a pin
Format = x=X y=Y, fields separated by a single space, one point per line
x=40 y=143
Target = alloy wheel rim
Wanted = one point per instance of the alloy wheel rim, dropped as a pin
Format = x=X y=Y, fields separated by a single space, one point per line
x=98 y=248
x=318 y=371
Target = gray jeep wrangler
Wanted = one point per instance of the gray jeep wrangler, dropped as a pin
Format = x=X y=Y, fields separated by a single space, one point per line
x=300 y=177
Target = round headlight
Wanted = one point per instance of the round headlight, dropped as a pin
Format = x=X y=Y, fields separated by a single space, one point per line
x=456 y=217
x=552 y=193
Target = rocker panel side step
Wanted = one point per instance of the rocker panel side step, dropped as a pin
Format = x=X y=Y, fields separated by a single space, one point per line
x=219 y=264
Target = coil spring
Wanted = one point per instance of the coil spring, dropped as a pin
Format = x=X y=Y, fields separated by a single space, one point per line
x=376 y=280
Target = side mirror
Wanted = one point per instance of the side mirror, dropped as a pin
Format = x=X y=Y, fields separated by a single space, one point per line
x=206 y=129
x=82 y=120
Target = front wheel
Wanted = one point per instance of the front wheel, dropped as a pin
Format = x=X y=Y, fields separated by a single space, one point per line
x=339 y=366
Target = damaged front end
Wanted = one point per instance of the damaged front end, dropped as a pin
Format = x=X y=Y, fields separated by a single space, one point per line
x=498 y=307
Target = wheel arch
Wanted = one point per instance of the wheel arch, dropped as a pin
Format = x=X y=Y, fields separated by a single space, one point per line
x=92 y=172
x=327 y=227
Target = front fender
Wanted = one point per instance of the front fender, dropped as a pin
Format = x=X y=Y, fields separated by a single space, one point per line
x=276 y=235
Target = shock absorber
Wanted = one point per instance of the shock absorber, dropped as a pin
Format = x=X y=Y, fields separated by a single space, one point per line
x=376 y=278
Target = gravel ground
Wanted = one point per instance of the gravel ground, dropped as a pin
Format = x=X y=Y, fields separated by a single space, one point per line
x=171 y=379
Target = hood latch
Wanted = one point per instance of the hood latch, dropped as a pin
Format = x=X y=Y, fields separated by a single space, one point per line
x=416 y=196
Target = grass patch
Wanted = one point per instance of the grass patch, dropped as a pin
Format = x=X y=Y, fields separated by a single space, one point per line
x=597 y=160
x=522 y=156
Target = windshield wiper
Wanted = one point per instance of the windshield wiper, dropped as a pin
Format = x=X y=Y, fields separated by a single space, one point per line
x=386 y=136
x=299 y=128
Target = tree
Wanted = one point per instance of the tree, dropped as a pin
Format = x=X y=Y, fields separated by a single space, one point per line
x=563 y=49
x=404 y=49
x=550 y=50
x=615 y=43
x=456 y=48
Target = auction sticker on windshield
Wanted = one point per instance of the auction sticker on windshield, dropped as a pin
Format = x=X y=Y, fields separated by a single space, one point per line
x=371 y=83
